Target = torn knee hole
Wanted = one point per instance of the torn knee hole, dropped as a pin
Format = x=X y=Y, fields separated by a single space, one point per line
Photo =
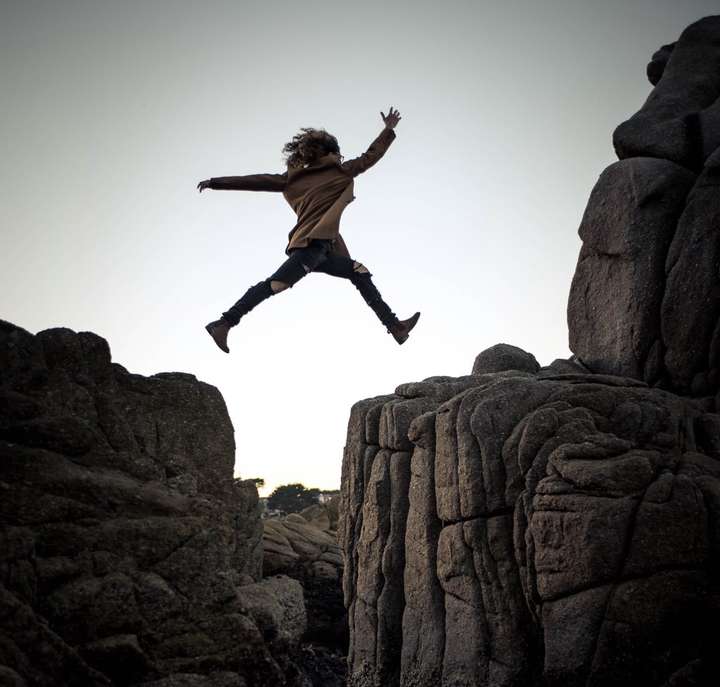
x=360 y=268
x=278 y=286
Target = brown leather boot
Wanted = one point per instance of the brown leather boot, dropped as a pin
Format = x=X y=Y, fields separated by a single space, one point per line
x=401 y=330
x=219 y=331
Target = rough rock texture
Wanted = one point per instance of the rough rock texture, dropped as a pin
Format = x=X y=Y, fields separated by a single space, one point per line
x=503 y=357
x=324 y=516
x=555 y=528
x=296 y=548
x=617 y=292
x=645 y=299
x=128 y=553
x=560 y=526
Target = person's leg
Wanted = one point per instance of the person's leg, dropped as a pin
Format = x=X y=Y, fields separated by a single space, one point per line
x=299 y=263
x=360 y=277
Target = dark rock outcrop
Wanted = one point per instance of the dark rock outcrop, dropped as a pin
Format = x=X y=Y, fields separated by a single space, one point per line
x=503 y=357
x=656 y=66
x=296 y=547
x=680 y=121
x=617 y=292
x=562 y=529
x=128 y=552
x=645 y=299
x=560 y=525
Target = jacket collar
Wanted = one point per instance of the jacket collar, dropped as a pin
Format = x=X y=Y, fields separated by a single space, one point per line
x=329 y=160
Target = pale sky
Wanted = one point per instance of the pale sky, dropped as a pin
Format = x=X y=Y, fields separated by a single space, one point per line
x=113 y=111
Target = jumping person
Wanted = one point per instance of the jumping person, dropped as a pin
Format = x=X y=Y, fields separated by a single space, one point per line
x=318 y=185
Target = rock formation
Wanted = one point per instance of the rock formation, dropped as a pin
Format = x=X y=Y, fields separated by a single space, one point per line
x=520 y=525
x=128 y=553
x=645 y=300
x=297 y=548
x=324 y=516
x=507 y=526
x=294 y=547
x=560 y=526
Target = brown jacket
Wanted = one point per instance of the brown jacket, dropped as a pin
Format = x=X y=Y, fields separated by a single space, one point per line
x=318 y=194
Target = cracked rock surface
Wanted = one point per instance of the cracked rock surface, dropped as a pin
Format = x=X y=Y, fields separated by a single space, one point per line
x=559 y=526
x=558 y=529
x=129 y=554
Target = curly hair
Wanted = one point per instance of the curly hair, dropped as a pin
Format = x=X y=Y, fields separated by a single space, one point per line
x=309 y=145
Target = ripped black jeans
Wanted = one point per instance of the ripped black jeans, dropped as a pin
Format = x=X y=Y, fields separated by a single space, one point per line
x=314 y=258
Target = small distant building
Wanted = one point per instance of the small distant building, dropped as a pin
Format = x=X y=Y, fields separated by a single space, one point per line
x=326 y=496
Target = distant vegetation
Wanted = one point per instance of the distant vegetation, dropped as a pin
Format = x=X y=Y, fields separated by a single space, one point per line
x=292 y=498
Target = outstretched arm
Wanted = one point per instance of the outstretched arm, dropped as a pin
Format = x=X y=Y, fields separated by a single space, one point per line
x=249 y=182
x=377 y=148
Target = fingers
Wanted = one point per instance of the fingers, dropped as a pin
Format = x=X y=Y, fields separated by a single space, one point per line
x=392 y=115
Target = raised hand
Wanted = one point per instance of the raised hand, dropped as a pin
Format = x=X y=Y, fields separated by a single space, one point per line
x=392 y=118
x=203 y=185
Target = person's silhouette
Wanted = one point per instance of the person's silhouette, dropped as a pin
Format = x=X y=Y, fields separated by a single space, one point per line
x=318 y=185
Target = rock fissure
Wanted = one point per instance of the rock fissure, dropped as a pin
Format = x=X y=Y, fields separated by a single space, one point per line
x=623 y=579
x=617 y=577
x=480 y=516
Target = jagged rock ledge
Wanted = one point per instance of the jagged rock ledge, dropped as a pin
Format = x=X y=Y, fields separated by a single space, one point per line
x=521 y=528
x=129 y=555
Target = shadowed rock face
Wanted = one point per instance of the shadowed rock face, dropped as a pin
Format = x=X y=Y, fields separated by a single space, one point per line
x=645 y=299
x=294 y=547
x=680 y=121
x=128 y=553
